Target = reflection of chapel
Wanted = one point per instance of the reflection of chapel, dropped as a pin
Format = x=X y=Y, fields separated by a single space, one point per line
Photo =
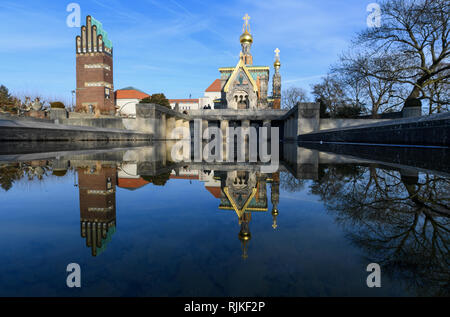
x=245 y=86
x=246 y=192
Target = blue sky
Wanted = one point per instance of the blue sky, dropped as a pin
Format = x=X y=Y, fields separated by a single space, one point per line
x=174 y=46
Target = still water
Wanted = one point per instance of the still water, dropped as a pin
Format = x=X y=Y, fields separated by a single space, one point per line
x=139 y=224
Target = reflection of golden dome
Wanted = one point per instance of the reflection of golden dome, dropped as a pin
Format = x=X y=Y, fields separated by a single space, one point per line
x=246 y=37
x=275 y=211
x=277 y=63
x=245 y=236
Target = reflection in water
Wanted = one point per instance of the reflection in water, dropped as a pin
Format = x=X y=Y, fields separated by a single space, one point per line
x=10 y=173
x=246 y=192
x=398 y=215
x=97 y=187
x=243 y=192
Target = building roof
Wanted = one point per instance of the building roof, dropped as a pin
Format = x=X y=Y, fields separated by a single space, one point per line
x=102 y=32
x=240 y=65
x=130 y=93
x=214 y=87
x=183 y=100
x=131 y=183
x=215 y=191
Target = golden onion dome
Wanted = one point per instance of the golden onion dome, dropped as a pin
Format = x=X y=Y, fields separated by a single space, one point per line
x=277 y=63
x=245 y=236
x=246 y=37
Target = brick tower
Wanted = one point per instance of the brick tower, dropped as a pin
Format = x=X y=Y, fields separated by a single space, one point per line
x=94 y=54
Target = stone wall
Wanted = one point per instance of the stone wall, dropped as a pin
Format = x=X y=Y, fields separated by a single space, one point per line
x=158 y=120
x=431 y=130
x=24 y=130
x=237 y=114
x=326 y=124
x=110 y=123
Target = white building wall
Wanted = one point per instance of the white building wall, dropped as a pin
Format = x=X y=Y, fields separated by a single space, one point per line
x=127 y=106
x=209 y=98
x=185 y=105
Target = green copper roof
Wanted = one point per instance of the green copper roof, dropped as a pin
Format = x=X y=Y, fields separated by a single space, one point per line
x=105 y=241
x=100 y=30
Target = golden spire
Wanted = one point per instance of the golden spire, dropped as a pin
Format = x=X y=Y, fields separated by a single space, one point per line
x=246 y=37
x=277 y=63
x=246 y=26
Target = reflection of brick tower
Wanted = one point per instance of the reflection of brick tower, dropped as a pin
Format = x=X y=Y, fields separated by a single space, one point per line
x=97 y=205
x=94 y=54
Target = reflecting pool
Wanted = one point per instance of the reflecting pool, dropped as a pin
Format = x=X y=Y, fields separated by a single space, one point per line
x=139 y=224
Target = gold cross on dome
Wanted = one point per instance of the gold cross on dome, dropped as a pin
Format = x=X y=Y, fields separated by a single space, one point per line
x=277 y=52
x=246 y=18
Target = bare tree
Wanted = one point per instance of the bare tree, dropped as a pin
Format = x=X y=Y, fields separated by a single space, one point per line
x=438 y=96
x=371 y=92
x=414 y=34
x=333 y=95
x=292 y=95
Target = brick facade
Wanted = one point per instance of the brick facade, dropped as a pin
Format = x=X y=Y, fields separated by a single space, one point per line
x=94 y=70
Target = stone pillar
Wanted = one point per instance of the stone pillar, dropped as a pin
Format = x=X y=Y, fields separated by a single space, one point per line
x=244 y=143
x=197 y=139
x=162 y=146
x=204 y=127
x=308 y=118
x=162 y=126
x=224 y=124
x=179 y=124
x=412 y=108
x=187 y=140
x=267 y=124
x=188 y=130
x=170 y=125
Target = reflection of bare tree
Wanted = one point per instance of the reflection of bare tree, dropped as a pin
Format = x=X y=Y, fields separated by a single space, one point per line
x=400 y=218
x=290 y=183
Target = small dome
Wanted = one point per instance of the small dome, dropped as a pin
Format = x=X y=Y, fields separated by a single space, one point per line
x=246 y=37
x=275 y=211
x=245 y=236
x=277 y=63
